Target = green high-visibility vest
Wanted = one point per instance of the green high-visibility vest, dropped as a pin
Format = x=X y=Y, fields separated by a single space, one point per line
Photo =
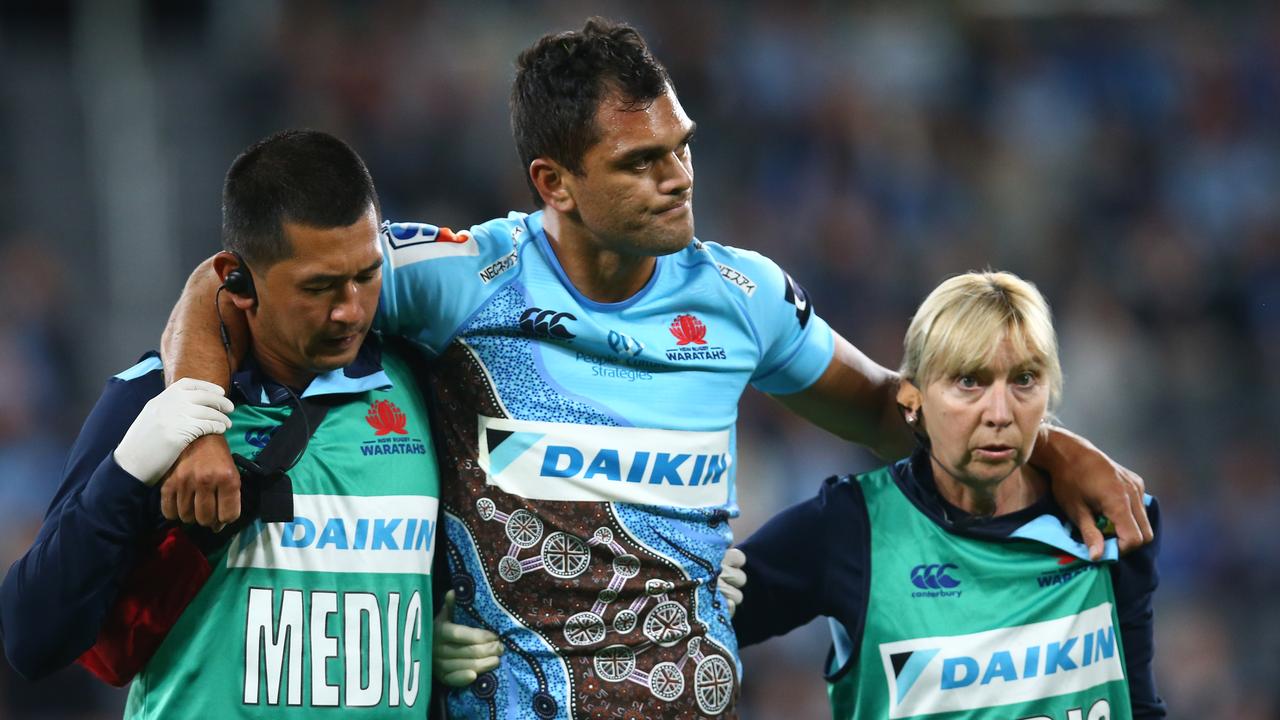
x=328 y=613
x=964 y=628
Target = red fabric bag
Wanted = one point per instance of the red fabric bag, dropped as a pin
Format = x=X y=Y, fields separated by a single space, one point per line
x=169 y=573
x=174 y=565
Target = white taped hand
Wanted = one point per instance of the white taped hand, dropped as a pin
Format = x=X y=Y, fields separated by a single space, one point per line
x=459 y=653
x=168 y=423
x=732 y=578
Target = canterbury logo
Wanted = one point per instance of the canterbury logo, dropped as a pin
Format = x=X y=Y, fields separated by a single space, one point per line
x=933 y=577
x=259 y=437
x=546 y=323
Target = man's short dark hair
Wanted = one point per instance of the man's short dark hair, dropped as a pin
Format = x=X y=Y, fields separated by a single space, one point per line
x=560 y=81
x=300 y=176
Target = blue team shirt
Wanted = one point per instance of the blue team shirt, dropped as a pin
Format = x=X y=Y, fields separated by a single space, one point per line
x=589 y=457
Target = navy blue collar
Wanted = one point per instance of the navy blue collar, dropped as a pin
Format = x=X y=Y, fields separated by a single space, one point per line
x=364 y=373
x=1043 y=521
x=914 y=476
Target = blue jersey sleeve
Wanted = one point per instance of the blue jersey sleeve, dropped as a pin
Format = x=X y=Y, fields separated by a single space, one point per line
x=796 y=344
x=434 y=278
x=54 y=598
x=1134 y=578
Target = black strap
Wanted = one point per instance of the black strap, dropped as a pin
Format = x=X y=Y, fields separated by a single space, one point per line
x=266 y=492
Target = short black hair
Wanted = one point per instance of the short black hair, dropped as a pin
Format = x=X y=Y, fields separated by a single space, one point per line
x=300 y=176
x=560 y=81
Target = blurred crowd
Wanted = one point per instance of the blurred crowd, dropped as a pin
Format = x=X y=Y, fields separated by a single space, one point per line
x=1123 y=155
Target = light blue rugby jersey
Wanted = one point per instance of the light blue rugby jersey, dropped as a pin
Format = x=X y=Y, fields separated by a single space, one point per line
x=588 y=453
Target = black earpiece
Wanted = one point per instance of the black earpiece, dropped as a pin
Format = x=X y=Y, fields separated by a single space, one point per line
x=240 y=281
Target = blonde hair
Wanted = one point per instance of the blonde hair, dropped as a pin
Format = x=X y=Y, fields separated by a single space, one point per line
x=959 y=327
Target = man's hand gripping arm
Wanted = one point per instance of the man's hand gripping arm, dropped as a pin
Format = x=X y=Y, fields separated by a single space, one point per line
x=203 y=486
x=855 y=399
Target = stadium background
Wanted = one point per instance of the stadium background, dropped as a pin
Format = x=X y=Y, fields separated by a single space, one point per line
x=1124 y=155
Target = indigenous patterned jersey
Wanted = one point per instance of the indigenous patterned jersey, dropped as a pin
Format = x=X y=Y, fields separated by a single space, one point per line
x=589 y=458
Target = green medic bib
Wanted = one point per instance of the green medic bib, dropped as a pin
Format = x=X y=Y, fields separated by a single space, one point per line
x=333 y=610
x=964 y=628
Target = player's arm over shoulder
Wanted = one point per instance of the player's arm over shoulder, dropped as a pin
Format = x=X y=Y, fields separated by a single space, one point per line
x=434 y=277
x=809 y=367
